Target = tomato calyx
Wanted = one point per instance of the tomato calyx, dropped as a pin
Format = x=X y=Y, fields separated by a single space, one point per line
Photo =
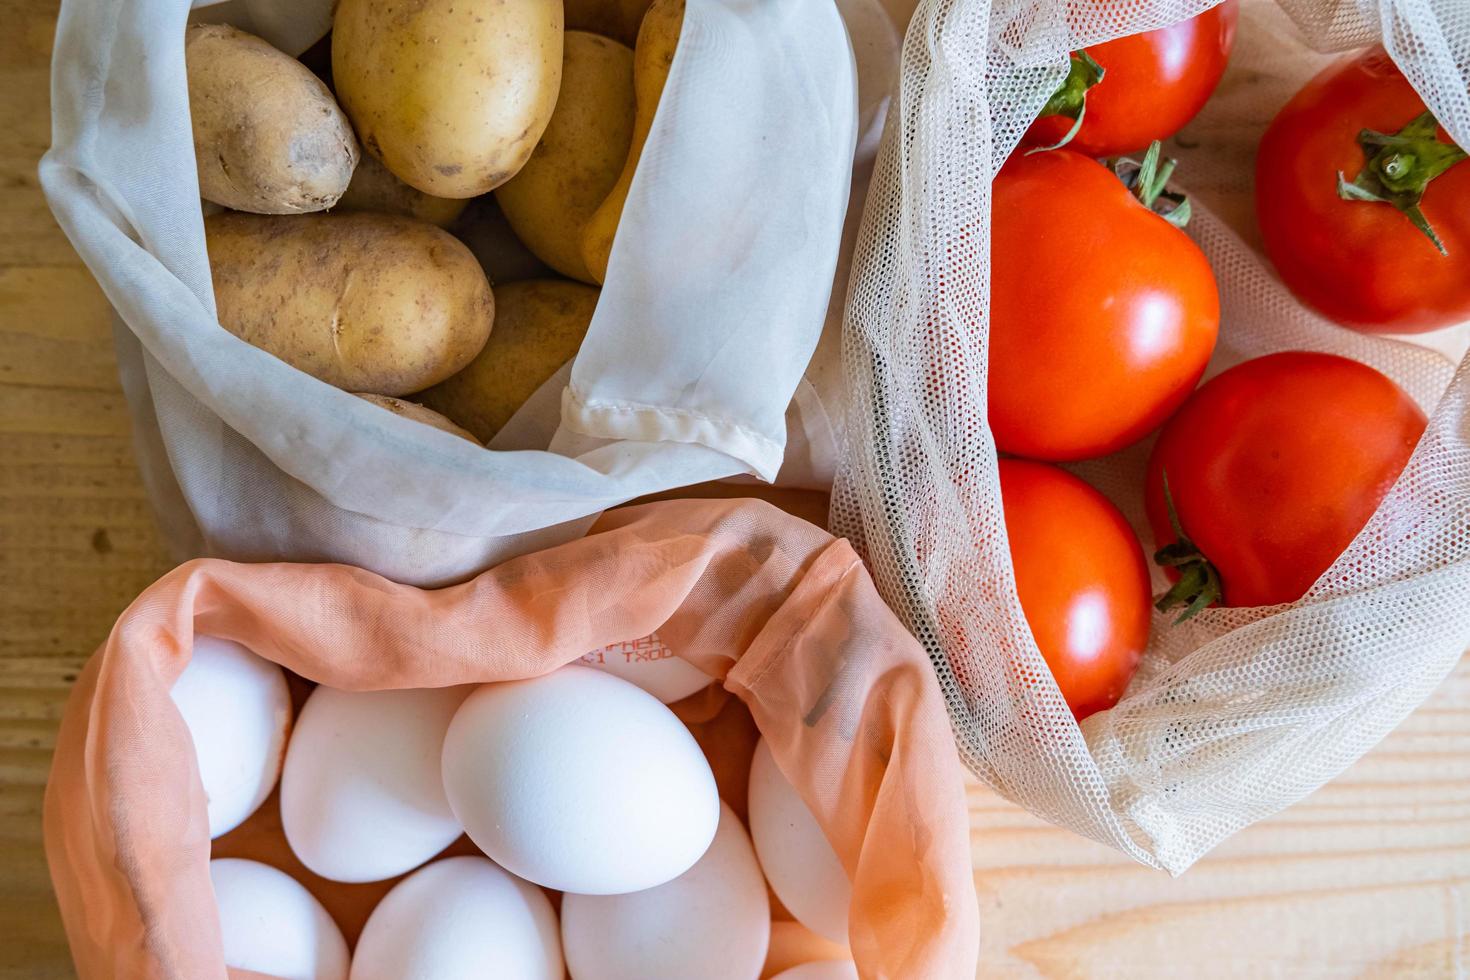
x=1070 y=98
x=1148 y=179
x=1399 y=168
x=1199 y=581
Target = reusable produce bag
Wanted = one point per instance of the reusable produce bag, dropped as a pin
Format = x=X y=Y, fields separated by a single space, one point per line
x=1239 y=712
x=716 y=293
x=780 y=612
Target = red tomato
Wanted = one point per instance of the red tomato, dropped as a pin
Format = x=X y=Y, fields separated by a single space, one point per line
x=1103 y=315
x=1361 y=263
x=1081 y=578
x=1274 y=467
x=1153 y=83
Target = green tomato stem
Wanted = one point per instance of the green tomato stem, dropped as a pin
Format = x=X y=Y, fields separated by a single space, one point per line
x=1399 y=167
x=1070 y=98
x=1199 y=581
x=1148 y=181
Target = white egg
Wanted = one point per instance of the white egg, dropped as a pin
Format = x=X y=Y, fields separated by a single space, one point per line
x=650 y=664
x=238 y=710
x=361 y=796
x=798 y=861
x=272 y=925
x=581 y=782
x=462 y=917
x=821 y=970
x=712 y=922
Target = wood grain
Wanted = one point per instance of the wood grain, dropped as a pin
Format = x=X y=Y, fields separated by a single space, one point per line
x=77 y=539
x=1369 y=877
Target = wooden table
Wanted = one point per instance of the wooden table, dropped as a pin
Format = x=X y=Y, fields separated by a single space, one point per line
x=1370 y=877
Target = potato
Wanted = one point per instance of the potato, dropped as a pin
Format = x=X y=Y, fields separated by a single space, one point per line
x=652 y=59
x=374 y=188
x=539 y=325
x=451 y=94
x=371 y=303
x=502 y=255
x=417 y=413
x=617 y=19
x=579 y=156
x=268 y=136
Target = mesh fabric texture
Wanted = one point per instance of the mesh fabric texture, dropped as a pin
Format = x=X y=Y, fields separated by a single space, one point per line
x=1240 y=712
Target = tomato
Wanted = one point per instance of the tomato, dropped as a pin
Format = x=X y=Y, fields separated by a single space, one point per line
x=1103 y=315
x=1152 y=84
x=1364 y=263
x=1081 y=578
x=1274 y=467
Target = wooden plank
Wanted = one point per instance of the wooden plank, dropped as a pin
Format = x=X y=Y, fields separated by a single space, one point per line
x=1369 y=876
x=77 y=539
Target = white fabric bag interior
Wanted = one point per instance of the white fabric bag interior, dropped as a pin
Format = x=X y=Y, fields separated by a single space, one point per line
x=718 y=286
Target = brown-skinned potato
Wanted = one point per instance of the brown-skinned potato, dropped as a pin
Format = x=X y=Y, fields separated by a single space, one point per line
x=374 y=188
x=617 y=19
x=372 y=303
x=658 y=39
x=418 y=413
x=452 y=95
x=268 y=136
x=540 y=325
x=579 y=157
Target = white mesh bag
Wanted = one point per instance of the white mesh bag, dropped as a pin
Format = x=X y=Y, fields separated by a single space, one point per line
x=1239 y=712
x=717 y=289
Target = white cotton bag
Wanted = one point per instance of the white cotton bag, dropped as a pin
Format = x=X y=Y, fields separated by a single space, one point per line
x=718 y=285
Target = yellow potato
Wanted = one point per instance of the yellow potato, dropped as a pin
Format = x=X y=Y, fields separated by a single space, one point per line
x=374 y=188
x=579 y=156
x=371 y=303
x=451 y=94
x=268 y=136
x=539 y=325
x=617 y=19
x=652 y=59
x=502 y=255
x=417 y=413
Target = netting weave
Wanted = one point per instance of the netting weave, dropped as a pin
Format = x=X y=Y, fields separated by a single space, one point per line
x=1241 y=711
